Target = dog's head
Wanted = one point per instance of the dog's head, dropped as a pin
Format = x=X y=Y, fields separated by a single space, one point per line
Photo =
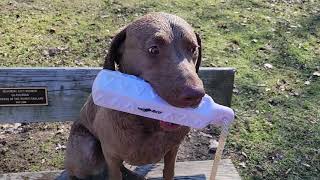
x=164 y=50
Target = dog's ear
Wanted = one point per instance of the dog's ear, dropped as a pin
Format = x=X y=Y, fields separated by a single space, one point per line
x=199 y=53
x=114 y=55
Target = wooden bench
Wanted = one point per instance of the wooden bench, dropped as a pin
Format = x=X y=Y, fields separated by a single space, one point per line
x=68 y=88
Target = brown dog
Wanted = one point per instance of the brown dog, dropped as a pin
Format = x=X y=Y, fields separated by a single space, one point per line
x=163 y=50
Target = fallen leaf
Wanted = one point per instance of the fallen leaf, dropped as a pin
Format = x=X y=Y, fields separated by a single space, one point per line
x=213 y=65
x=287 y=172
x=205 y=135
x=306 y=82
x=60 y=131
x=254 y=40
x=306 y=165
x=259 y=168
x=269 y=124
x=51 y=30
x=261 y=85
x=268 y=66
x=244 y=154
x=242 y=164
x=316 y=74
x=296 y=94
x=60 y=147
x=16 y=125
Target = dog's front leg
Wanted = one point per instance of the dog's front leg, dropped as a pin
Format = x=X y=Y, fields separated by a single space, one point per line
x=114 y=165
x=169 y=163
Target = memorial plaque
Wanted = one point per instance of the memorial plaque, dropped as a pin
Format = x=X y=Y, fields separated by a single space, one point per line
x=25 y=96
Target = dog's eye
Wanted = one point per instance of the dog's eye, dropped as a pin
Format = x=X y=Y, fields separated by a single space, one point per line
x=154 y=50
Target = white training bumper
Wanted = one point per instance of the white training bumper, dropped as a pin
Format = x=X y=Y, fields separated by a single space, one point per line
x=128 y=93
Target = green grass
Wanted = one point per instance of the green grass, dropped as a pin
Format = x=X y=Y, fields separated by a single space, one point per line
x=277 y=133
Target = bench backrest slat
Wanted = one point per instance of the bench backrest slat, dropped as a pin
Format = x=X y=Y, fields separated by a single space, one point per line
x=68 y=89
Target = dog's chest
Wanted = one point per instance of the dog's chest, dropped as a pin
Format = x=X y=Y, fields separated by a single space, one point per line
x=151 y=147
x=135 y=139
x=143 y=139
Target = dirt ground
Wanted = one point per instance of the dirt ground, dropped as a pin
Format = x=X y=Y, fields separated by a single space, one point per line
x=41 y=146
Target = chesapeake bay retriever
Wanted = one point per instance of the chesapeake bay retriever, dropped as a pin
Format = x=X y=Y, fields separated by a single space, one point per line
x=163 y=50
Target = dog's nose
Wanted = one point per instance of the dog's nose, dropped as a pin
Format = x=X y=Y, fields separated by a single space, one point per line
x=191 y=96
